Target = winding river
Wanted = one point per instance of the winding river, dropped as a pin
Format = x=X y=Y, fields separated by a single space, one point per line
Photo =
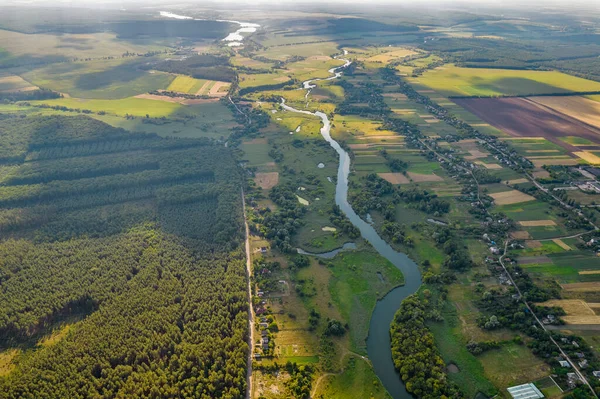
x=378 y=342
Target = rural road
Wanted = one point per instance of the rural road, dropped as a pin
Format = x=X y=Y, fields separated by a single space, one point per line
x=250 y=308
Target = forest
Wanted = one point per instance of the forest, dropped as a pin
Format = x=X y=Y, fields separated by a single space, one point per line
x=133 y=239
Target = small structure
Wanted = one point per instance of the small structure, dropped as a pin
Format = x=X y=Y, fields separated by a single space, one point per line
x=583 y=364
x=564 y=363
x=263 y=250
x=596 y=373
x=579 y=355
x=525 y=391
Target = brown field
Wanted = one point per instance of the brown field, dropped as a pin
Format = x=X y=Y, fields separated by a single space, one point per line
x=418 y=177
x=582 y=287
x=542 y=174
x=219 y=89
x=518 y=181
x=580 y=108
x=394 y=178
x=522 y=235
x=528 y=260
x=521 y=117
x=267 y=180
x=511 y=197
x=391 y=55
x=554 y=161
x=533 y=244
x=536 y=223
x=490 y=165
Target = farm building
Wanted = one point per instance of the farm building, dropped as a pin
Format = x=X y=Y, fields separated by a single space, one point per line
x=525 y=391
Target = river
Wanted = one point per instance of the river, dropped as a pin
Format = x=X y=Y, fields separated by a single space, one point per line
x=234 y=39
x=378 y=341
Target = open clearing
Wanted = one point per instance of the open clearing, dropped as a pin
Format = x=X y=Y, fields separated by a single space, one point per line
x=131 y=106
x=521 y=117
x=455 y=81
x=267 y=180
x=186 y=84
x=511 y=197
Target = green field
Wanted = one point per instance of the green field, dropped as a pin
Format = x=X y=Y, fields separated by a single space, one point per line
x=356 y=381
x=186 y=84
x=132 y=106
x=103 y=79
x=355 y=287
x=455 y=81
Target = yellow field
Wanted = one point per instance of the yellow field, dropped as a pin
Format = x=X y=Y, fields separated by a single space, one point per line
x=581 y=108
x=391 y=55
x=561 y=244
x=536 y=223
x=578 y=311
x=511 y=197
x=588 y=157
x=186 y=84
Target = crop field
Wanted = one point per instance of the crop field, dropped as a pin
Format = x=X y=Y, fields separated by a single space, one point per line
x=520 y=117
x=313 y=67
x=69 y=46
x=392 y=55
x=577 y=310
x=511 y=197
x=262 y=79
x=9 y=83
x=283 y=53
x=106 y=79
x=453 y=81
x=186 y=84
x=580 y=108
x=132 y=106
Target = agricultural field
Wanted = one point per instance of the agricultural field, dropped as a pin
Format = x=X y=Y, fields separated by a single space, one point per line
x=13 y=83
x=580 y=108
x=120 y=107
x=453 y=81
x=263 y=79
x=22 y=47
x=100 y=79
x=522 y=118
x=186 y=84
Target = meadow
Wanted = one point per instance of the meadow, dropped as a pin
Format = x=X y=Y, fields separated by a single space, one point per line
x=102 y=79
x=132 y=106
x=454 y=81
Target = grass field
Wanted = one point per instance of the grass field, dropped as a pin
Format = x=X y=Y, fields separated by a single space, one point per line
x=10 y=83
x=355 y=287
x=357 y=381
x=283 y=53
x=186 y=84
x=450 y=80
x=131 y=106
x=102 y=79
x=262 y=79
x=71 y=46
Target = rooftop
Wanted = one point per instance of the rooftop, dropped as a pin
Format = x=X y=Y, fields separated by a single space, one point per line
x=525 y=391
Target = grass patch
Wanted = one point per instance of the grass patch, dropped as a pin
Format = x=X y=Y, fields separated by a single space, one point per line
x=132 y=106
x=358 y=380
x=355 y=287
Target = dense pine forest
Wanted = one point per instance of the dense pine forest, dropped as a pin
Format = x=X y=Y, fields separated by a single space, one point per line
x=135 y=237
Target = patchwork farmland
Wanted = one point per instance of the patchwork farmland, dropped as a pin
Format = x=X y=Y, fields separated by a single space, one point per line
x=522 y=117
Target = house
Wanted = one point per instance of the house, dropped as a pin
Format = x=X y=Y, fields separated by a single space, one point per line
x=263 y=250
x=572 y=379
x=583 y=364
x=494 y=250
x=263 y=325
x=264 y=333
x=575 y=344
x=580 y=355
x=596 y=373
x=564 y=363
